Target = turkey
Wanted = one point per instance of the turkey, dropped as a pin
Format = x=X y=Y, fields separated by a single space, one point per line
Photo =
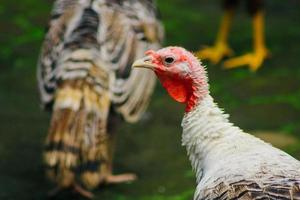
x=229 y=163
x=85 y=79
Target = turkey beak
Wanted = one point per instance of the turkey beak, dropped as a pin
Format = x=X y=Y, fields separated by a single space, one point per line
x=144 y=63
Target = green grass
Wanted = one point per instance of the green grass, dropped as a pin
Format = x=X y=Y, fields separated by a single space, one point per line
x=266 y=100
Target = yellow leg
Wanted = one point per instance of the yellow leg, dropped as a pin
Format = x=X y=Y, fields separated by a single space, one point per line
x=221 y=48
x=255 y=59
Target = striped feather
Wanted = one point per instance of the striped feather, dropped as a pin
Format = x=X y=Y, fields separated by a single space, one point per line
x=109 y=35
x=84 y=72
x=275 y=189
x=77 y=137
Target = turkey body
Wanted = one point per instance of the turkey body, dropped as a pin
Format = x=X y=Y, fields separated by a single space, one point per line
x=85 y=79
x=231 y=164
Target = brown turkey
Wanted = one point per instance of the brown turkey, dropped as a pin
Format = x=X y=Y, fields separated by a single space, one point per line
x=85 y=79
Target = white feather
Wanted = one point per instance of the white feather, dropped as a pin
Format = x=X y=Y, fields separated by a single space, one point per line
x=221 y=152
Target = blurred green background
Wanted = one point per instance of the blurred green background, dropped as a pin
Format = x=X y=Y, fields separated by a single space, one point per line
x=267 y=101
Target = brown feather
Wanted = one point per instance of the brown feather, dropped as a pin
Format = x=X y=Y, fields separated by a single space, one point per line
x=84 y=73
x=77 y=137
x=277 y=189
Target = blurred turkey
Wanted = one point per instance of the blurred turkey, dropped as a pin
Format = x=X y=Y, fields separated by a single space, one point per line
x=221 y=49
x=85 y=79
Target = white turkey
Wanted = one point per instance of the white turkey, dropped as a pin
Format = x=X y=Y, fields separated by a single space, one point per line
x=229 y=163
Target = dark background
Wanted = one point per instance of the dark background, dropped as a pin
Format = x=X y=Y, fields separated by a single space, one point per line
x=266 y=102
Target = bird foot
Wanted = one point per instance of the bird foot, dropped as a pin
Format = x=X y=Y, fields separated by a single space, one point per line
x=121 y=178
x=215 y=53
x=253 y=60
x=83 y=192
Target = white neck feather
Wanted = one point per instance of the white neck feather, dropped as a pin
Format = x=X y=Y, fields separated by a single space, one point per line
x=220 y=151
x=202 y=128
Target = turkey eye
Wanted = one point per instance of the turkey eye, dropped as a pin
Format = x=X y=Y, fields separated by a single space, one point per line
x=169 y=60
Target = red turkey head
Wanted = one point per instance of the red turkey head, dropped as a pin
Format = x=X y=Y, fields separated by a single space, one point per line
x=180 y=73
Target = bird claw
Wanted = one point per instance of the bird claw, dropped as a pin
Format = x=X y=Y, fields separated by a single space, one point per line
x=215 y=53
x=83 y=192
x=121 y=178
x=253 y=60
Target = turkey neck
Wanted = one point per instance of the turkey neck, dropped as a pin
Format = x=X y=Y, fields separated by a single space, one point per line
x=203 y=129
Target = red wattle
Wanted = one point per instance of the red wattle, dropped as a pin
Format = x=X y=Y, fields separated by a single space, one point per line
x=179 y=90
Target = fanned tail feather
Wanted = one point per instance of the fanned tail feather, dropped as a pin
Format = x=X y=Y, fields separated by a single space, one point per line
x=77 y=139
